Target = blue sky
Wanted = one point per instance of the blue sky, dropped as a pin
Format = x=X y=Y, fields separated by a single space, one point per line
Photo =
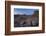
x=22 y=11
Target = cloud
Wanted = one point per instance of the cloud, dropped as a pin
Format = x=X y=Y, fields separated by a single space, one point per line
x=18 y=13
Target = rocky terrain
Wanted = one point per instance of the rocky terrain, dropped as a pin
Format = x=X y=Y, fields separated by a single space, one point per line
x=26 y=20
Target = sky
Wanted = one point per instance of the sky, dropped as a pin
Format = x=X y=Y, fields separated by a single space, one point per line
x=22 y=11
